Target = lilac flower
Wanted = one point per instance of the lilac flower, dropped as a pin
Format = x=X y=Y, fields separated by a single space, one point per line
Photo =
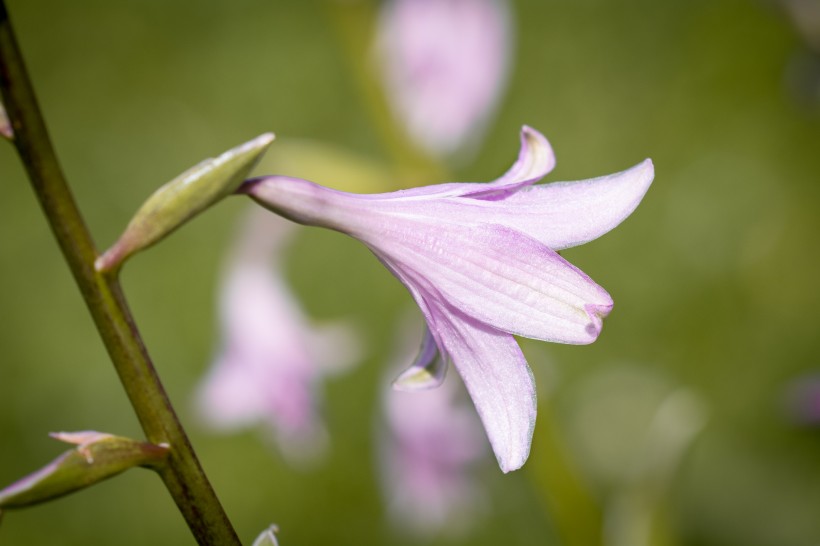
x=480 y=261
x=430 y=443
x=272 y=358
x=444 y=64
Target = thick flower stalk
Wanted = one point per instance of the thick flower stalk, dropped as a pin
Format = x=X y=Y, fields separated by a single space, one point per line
x=480 y=261
x=272 y=358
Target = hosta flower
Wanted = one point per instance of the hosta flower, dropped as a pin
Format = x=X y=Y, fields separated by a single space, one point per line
x=480 y=261
x=272 y=358
x=444 y=64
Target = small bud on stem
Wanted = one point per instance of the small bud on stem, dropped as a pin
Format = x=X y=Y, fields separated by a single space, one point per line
x=183 y=198
x=98 y=456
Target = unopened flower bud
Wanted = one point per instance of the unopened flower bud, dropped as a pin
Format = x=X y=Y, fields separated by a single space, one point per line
x=183 y=198
x=98 y=456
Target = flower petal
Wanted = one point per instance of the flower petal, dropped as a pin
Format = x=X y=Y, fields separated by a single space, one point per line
x=428 y=369
x=311 y=204
x=499 y=381
x=559 y=215
x=499 y=276
x=535 y=160
x=566 y=214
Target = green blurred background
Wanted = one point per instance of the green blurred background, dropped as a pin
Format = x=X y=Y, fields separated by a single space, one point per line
x=714 y=277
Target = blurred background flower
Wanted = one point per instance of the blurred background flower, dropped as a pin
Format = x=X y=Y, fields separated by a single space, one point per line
x=444 y=64
x=714 y=281
x=272 y=359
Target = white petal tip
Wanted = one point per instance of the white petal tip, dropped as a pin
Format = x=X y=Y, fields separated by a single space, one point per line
x=645 y=172
x=507 y=468
x=634 y=182
x=649 y=168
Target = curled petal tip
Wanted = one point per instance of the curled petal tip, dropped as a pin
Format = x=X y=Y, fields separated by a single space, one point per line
x=527 y=131
x=645 y=174
x=537 y=156
x=416 y=379
x=427 y=371
x=647 y=170
x=535 y=160
x=596 y=314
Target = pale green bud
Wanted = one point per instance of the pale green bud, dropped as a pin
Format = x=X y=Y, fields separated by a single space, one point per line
x=183 y=198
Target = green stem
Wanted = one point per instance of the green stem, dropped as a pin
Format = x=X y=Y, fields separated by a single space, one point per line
x=182 y=475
